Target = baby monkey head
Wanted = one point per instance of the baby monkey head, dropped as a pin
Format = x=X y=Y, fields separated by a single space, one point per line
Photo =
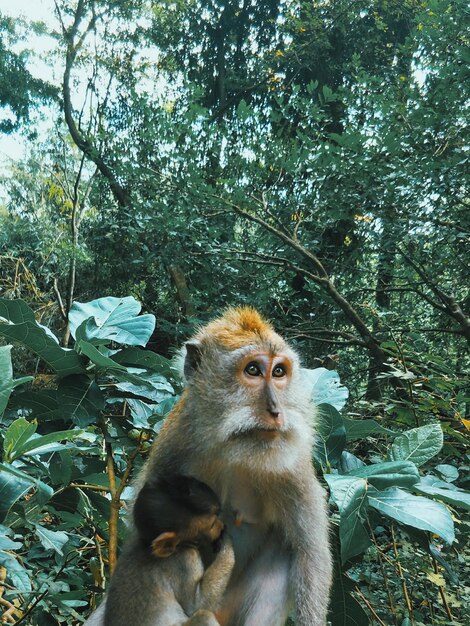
x=177 y=511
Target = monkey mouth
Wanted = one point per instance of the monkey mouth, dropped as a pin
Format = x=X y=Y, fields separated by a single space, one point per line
x=267 y=433
x=257 y=433
x=261 y=432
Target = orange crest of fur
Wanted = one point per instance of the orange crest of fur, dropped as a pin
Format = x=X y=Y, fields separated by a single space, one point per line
x=239 y=327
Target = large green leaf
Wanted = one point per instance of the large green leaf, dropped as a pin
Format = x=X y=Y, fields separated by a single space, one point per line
x=325 y=386
x=16 y=435
x=21 y=440
x=348 y=462
x=141 y=412
x=358 y=429
x=415 y=511
x=12 y=487
x=448 y=472
x=417 y=445
x=95 y=356
x=442 y=490
x=81 y=400
x=14 y=484
x=42 y=404
x=331 y=436
x=7 y=384
x=350 y=495
x=345 y=610
x=145 y=359
x=18 y=324
x=18 y=575
x=150 y=385
x=111 y=319
x=16 y=311
x=51 y=539
x=389 y=474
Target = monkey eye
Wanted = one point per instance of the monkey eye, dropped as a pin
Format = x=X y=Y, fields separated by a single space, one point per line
x=279 y=371
x=252 y=369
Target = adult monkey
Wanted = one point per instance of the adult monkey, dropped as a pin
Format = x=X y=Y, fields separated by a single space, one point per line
x=243 y=426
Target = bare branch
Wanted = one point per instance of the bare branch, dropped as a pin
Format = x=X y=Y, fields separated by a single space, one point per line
x=451 y=306
x=119 y=192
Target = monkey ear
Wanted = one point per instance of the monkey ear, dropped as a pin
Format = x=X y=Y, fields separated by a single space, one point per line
x=192 y=359
x=165 y=545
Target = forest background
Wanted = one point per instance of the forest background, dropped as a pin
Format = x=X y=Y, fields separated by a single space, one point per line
x=309 y=158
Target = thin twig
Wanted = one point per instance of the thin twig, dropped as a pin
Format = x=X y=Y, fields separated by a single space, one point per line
x=402 y=577
x=380 y=554
x=442 y=591
x=369 y=606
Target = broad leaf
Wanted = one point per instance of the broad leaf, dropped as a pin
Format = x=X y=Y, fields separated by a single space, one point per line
x=15 y=311
x=81 y=400
x=145 y=359
x=95 y=356
x=111 y=319
x=389 y=474
x=326 y=387
x=44 y=444
x=16 y=435
x=448 y=472
x=358 y=429
x=42 y=404
x=12 y=487
x=150 y=385
x=417 y=445
x=60 y=468
x=331 y=436
x=349 y=462
x=350 y=495
x=18 y=324
x=51 y=539
x=345 y=610
x=14 y=484
x=18 y=575
x=415 y=511
x=447 y=492
x=141 y=412
x=7 y=384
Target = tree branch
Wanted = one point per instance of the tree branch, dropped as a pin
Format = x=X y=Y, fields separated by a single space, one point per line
x=451 y=306
x=121 y=194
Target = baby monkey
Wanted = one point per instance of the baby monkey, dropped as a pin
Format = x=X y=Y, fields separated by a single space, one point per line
x=178 y=511
x=178 y=531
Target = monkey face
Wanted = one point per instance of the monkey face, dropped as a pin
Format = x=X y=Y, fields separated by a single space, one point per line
x=203 y=529
x=266 y=377
x=245 y=388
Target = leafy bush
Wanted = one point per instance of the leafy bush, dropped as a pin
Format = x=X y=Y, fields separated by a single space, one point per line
x=69 y=445
x=72 y=440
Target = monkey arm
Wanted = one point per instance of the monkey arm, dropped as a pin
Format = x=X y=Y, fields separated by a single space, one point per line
x=215 y=579
x=311 y=569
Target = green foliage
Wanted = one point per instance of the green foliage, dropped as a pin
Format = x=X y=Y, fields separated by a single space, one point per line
x=386 y=487
x=7 y=383
x=19 y=91
x=67 y=452
x=55 y=478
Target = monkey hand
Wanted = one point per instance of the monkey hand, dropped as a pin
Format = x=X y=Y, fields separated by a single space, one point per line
x=226 y=555
x=216 y=577
x=202 y=618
